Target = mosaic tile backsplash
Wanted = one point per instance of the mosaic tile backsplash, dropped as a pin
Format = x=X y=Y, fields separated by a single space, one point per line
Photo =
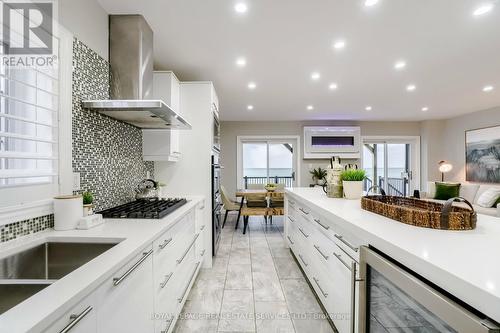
x=106 y=152
x=26 y=227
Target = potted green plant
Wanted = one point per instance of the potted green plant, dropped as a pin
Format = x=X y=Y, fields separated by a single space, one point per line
x=352 y=181
x=88 y=199
x=318 y=175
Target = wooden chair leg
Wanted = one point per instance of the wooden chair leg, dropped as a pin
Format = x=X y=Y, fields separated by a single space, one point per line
x=270 y=219
x=245 y=224
x=265 y=219
x=225 y=218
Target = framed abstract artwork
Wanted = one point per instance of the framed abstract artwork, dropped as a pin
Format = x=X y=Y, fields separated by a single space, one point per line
x=482 y=155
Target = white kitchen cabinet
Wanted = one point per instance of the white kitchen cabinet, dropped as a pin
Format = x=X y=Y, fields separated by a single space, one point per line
x=125 y=302
x=328 y=256
x=81 y=318
x=163 y=145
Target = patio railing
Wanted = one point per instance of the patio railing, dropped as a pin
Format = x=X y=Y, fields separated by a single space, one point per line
x=395 y=186
x=287 y=180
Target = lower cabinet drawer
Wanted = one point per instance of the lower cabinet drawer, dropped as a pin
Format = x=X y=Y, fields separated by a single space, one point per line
x=125 y=302
x=80 y=319
x=333 y=285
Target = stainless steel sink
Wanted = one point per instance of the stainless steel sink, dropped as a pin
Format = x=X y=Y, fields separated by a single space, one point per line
x=27 y=272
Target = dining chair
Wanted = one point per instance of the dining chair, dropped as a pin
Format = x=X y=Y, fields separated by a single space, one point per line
x=276 y=204
x=255 y=205
x=229 y=205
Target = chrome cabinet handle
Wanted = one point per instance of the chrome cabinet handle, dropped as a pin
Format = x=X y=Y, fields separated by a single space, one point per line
x=75 y=319
x=318 y=221
x=165 y=243
x=302 y=258
x=189 y=282
x=290 y=218
x=202 y=228
x=168 y=326
x=319 y=286
x=320 y=252
x=349 y=245
x=303 y=211
x=202 y=253
x=187 y=250
x=145 y=255
x=339 y=257
x=303 y=233
x=291 y=241
x=167 y=278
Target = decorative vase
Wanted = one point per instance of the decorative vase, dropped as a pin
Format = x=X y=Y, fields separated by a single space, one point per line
x=333 y=186
x=353 y=189
x=88 y=209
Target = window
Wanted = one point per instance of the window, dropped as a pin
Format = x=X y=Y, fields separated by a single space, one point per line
x=28 y=126
x=35 y=134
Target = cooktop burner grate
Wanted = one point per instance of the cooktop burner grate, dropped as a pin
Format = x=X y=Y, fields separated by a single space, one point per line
x=144 y=209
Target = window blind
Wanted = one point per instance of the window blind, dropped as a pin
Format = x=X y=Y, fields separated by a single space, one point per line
x=29 y=103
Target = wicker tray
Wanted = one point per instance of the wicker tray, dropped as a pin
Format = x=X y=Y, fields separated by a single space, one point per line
x=423 y=213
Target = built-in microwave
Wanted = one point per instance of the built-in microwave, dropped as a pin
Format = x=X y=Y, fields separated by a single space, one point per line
x=325 y=142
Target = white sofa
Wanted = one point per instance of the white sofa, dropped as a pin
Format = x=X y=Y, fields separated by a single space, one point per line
x=471 y=192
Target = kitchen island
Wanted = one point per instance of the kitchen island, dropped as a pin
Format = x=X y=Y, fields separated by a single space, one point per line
x=461 y=263
x=140 y=284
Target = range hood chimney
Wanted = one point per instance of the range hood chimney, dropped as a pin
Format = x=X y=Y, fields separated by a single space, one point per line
x=131 y=59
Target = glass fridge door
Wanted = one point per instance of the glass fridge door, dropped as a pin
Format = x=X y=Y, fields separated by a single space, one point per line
x=393 y=299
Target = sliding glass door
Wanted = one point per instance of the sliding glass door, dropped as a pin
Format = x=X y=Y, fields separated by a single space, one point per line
x=267 y=161
x=392 y=165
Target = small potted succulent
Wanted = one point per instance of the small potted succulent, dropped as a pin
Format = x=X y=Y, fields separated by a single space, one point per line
x=318 y=175
x=352 y=181
x=88 y=199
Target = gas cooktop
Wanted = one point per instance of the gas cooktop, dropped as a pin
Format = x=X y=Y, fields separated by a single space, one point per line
x=144 y=209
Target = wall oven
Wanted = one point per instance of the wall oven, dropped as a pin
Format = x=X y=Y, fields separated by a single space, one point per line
x=392 y=299
x=216 y=202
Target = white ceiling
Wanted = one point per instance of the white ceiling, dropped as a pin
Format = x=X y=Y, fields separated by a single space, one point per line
x=451 y=55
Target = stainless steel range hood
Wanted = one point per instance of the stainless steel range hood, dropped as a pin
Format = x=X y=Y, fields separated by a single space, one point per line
x=131 y=60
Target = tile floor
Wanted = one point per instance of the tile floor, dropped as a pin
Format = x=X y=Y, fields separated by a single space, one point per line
x=254 y=285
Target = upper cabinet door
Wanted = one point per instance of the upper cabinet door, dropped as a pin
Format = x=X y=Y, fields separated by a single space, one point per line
x=163 y=145
x=166 y=87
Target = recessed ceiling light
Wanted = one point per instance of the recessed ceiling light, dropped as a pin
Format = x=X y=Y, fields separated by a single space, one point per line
x=241 y=8
x=483 y=9
x=310 y=107
x=338 y=45
x=332 y=86
x=488 y=88
x=368 y=108
x=369 y=3
x=315 y=75
x=241 y=62
x=411 y=87
x=425 y=109
x=250 y=107
x=252 y=85
x=400 y=65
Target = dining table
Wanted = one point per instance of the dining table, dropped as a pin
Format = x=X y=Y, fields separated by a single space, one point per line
x=243 y=193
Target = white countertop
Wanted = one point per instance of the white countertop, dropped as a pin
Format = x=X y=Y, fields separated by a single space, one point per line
x=464 y=263
x=55 y=300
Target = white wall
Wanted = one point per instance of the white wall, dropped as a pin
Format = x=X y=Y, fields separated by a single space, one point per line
x=87 y=21
x=231 y=129
x=454 y=134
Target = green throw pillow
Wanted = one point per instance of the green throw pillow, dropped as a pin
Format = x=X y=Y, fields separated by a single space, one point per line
x=445 y=191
